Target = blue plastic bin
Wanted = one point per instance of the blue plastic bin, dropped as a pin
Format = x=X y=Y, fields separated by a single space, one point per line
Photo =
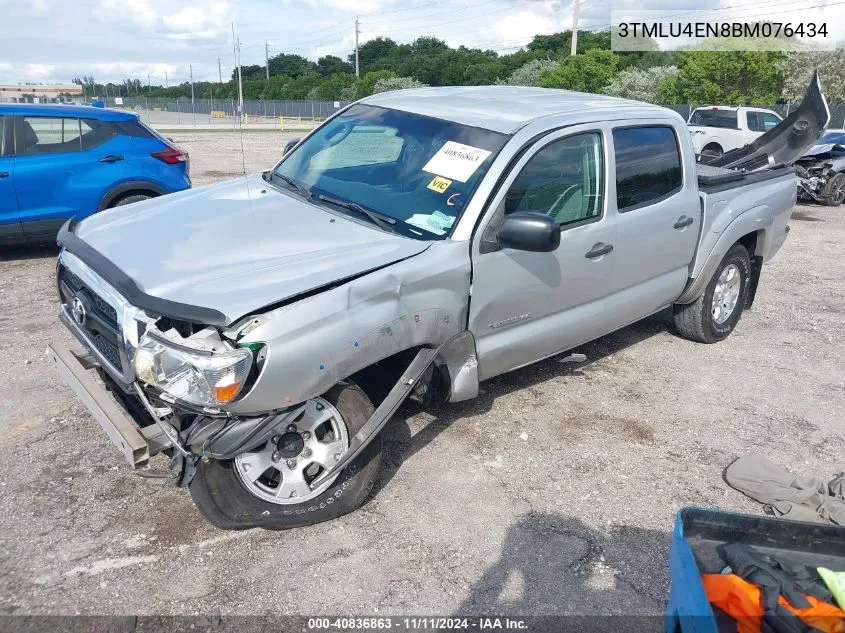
x=697 y=536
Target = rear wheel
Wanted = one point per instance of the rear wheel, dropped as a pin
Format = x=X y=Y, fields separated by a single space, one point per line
x=129 y=199
x=269 y=485
x=713 y=316
x=834 y=191
x=712 y=150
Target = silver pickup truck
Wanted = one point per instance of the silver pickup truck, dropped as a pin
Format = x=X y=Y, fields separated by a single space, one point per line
x=261 y=332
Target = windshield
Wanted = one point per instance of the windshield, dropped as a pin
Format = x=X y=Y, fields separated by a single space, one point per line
x=714 y=117
x=415 y=171
x=832 y=137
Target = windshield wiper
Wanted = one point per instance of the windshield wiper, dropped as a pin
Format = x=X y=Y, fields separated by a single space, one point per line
x=382 y=221
x=302 y=189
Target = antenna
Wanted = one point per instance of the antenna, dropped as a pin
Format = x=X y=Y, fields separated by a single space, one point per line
x=236 y=43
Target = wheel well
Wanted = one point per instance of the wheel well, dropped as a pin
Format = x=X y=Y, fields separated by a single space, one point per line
x=749 y=241
x=714 y=145
x=379 y=378
x=132 y=192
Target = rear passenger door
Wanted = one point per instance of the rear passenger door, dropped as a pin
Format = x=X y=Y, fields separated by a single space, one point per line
x=63 y=167
x=10 y=224
x=658 y=218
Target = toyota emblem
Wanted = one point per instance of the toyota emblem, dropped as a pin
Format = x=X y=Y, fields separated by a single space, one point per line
x=77 y=310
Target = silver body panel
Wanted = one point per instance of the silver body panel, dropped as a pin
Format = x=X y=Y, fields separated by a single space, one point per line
x=345 y=295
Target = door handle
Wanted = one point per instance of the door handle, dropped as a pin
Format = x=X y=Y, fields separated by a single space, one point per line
x=111 y=158
x=4 y=174
x=598 y=250
x=683 y=222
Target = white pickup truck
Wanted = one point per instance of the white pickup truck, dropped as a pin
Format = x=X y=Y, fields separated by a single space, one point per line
x=718 y=129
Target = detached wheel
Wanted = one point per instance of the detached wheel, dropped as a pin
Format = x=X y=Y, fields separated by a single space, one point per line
x=269 y=485
x=713 y=316
x=834 y=191
x=120 y=202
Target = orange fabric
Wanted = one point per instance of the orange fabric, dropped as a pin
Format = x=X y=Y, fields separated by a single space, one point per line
x=741 y=600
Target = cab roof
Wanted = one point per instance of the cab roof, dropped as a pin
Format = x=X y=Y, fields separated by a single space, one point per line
x=61 y=109
x=505 y=109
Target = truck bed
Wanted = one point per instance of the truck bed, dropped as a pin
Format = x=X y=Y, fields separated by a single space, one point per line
x=715 y=179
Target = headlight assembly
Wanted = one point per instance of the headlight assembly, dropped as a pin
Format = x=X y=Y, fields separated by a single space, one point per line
x=198 y=376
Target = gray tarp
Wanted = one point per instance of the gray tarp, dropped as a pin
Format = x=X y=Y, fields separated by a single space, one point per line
x=788 y=495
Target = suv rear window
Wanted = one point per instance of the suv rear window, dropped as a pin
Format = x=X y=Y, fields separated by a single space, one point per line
x=648 y=165
x=709 y=117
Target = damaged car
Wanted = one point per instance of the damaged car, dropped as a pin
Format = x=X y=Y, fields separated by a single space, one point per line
x=261 y=332
x=821 y=171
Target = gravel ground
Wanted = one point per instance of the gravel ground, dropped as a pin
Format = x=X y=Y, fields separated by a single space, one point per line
x=554 y=492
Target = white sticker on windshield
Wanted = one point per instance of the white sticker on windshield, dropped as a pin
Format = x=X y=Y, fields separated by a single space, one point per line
x=437 y=223
x=456 y=161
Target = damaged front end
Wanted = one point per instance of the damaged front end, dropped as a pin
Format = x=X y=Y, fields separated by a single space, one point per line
x=820 y=176
x=194 y=391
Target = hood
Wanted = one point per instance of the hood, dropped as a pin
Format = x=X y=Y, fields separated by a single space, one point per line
x=233 y=247
x=831 y=149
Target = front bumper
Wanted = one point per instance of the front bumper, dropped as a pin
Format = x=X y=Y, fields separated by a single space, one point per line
x=137 y=444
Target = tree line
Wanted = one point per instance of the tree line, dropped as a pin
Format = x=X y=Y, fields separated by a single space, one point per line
x=688 y=76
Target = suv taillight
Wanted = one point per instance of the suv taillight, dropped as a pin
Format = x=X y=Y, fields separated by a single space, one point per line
x=171 y=155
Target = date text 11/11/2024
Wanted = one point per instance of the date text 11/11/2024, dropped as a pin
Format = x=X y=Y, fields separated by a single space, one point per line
x=416 y=624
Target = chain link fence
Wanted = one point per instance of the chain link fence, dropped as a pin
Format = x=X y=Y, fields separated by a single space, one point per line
x=224 y=112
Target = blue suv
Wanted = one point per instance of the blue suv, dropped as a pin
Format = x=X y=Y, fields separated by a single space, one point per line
x=59 y=161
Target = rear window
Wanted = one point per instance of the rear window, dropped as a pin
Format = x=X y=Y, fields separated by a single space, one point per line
x=648 y=165
x=709 y=117
x=48 y=135
x=761 y=121
x=96 y=132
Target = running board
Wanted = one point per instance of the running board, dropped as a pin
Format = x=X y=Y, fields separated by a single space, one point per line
x=382 y=414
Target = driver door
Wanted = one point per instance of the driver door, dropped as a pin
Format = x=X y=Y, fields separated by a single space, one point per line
x=528 y=305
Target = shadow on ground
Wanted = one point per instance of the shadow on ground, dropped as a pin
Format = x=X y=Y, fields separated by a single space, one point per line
x=552 y=565
x=28 y=251
x=400 y=445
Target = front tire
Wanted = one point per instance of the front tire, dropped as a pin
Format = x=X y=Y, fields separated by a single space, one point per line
x=239 y=493
x=834 y=192
x=714 y=315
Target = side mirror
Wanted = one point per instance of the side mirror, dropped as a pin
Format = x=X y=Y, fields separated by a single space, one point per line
x=529 y=231
x=290 y=145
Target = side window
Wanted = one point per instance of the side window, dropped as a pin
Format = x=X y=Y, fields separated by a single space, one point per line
x=45 y=135
x=363 y=145
x=564 y=180
x=648 y=165
x=769 y=121
x=95 y=132
x=753 y=121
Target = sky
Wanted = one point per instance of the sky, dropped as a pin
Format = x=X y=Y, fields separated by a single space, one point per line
x=55 y=40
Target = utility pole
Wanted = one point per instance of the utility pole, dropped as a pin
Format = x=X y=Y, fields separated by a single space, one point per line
x=267 y=58
x=191 y=70
x=357 y=69
x=165 y=80
x=237 y=50
x=575 y=8
x=149 y=87
x=219 y=70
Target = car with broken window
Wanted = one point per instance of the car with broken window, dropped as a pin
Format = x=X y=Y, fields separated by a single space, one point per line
x=261 y=332
x=821 y=170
